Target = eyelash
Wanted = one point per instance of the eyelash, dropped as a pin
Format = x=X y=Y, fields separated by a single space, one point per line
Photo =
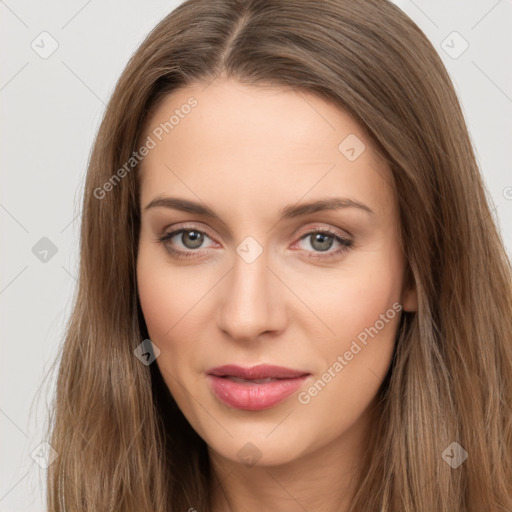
x=345 y=243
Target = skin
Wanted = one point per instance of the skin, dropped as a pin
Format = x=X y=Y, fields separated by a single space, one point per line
x=247 y=152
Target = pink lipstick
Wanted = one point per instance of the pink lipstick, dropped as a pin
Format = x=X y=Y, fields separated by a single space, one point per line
x=255 y=388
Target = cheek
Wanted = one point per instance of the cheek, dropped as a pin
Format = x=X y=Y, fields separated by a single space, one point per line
x=356 y=296
x=355 y=360
x=173 y=302
x=164 y=304
x=362 y=310
x=364 y=322
x=156 y=303
x=161 y=293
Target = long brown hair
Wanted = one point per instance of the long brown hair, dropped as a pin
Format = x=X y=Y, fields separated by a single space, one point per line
x=123 y=444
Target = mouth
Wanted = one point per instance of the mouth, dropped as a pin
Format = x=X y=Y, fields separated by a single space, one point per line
x=255 y=388
x=250 y=381
x=258 y=372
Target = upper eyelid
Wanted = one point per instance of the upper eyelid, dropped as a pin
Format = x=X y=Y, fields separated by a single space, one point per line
x=198 y=227
x=179 y=229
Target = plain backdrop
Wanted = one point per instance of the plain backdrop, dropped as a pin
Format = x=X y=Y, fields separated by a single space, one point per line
x=51 y=106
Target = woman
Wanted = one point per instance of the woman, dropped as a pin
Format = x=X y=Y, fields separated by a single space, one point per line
x=292 y=294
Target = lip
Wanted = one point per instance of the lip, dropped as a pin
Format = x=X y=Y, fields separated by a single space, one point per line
x=254 y=396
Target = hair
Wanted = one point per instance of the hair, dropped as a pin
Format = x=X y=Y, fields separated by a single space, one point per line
x=122 y=441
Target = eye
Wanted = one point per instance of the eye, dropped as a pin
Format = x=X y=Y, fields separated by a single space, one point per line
x=190 y=239
x=186 y=241
x=323 y=239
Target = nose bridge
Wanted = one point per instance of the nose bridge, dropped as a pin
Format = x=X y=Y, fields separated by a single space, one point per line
x=250 y=305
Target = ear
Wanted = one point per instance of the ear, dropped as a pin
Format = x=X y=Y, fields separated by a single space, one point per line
x=410 y=298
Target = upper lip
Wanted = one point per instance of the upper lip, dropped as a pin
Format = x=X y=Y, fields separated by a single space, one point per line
x=260 y=371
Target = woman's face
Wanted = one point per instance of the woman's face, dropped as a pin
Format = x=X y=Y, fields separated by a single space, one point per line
x=282 y=249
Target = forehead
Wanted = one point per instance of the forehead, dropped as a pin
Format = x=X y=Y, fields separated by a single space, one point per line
x=242 y=142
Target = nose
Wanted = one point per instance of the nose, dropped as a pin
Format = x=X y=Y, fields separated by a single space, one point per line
x=251 y=301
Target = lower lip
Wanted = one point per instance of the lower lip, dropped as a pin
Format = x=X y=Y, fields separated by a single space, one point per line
x=251 y=396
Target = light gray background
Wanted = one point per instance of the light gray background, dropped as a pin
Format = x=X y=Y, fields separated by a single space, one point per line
x=51 y=109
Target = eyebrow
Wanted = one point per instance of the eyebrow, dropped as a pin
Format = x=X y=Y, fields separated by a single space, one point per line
x=288 y=212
